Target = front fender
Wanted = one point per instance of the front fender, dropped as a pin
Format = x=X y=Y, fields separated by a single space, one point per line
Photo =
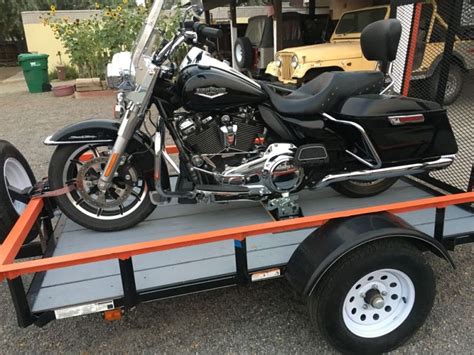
x=273 y=69
x=100 y=131
x=335 y=239
x=92 y=131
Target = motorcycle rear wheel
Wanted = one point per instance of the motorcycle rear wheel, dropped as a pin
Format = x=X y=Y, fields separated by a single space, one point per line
x=360 y=189
x=124 y=205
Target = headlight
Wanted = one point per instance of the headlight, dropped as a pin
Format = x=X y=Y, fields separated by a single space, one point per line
x=294 y=62
x=278 y=61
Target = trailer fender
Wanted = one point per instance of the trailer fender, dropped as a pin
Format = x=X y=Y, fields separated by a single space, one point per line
x=335 y=239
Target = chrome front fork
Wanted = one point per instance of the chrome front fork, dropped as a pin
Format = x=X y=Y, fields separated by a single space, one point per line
x=126 y=131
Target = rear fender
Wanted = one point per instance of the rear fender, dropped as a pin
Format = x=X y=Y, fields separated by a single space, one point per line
x=100 y=131
x=337 y=238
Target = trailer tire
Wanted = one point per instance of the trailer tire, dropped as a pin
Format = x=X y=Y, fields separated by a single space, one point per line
x=453 y=87
x=359 y=189
x=351 y=322
x=14 y=170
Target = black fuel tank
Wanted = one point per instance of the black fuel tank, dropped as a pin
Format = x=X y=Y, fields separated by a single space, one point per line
x=207 y=88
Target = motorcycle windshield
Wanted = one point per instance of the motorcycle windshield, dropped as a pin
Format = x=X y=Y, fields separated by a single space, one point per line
x=146 y=42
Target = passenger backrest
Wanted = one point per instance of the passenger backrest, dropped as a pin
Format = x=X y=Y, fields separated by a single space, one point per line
x=379 y=40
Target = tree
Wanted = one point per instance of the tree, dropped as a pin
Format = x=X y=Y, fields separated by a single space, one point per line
x=11 y=28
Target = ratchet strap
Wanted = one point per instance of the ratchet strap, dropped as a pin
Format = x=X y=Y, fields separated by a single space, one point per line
x=42 y=190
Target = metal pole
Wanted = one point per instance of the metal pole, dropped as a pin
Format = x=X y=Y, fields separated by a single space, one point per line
x=233 y=30
x=439 y=224
x=277 y=26
x=127 y=275
x=454 y=22
x=312 y=9
x=471 y=181
x=20 y=302
x=241 y=261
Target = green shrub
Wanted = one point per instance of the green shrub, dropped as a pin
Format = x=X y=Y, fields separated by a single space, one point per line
x=92 y=43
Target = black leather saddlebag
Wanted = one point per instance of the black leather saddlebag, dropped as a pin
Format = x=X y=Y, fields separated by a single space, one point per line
x=402 y=129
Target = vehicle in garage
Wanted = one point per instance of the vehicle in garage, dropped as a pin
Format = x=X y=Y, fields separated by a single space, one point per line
x=299 y=65
x=254 y=51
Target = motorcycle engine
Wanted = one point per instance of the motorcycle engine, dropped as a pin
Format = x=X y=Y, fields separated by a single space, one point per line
x=227 y=147
x=220 y=139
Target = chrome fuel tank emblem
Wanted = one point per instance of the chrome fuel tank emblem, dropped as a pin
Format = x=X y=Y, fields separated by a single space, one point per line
x=211 y=92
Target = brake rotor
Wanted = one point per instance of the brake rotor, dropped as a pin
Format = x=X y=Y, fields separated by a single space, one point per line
x=120 y=190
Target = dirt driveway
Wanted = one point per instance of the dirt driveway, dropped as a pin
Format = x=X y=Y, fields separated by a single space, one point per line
x=260 y=318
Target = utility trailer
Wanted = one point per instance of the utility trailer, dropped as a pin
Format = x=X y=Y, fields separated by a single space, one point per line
x=374 y=246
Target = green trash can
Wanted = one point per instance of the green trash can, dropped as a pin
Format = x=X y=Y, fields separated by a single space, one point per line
x=35 y=69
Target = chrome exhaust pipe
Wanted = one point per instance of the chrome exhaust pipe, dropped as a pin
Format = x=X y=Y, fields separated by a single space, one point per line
x=396 y=171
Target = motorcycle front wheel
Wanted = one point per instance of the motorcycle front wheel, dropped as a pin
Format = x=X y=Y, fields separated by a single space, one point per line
x=359 y=189
x=125 y=204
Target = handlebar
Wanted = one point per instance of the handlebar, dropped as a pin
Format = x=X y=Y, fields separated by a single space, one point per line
x=208 y=32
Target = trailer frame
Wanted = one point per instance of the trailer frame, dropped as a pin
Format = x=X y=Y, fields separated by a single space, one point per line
x=41 y=208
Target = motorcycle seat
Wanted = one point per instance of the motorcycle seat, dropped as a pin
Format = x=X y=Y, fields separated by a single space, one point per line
x=325 y=92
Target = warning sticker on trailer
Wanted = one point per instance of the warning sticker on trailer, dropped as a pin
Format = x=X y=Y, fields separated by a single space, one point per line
x=84 y=309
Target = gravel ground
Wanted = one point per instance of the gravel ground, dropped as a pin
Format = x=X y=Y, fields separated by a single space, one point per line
x=7 y=72
x=261 y=318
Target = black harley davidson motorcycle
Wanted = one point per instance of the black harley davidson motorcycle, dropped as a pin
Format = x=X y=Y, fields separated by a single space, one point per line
x=242 y=139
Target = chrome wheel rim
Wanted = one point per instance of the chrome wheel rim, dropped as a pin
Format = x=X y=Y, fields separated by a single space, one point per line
x=125 y=196
x=378 y=303
x=239 y=53
x=451 y=86
x=16 y=176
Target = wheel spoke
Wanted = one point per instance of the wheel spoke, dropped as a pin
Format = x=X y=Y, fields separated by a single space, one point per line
x=114 y=194
x=136 y=195
x=95 y=151
x=93 y=190
x=101 y=198
x=93 y=173
x=76 y=161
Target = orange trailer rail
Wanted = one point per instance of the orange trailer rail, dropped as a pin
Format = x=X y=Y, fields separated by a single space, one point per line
x=10 y=248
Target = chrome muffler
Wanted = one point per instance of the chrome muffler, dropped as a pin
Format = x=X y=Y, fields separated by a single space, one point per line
x=383 y=173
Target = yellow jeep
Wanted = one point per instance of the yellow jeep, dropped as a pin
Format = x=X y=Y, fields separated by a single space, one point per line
x=343 y=52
